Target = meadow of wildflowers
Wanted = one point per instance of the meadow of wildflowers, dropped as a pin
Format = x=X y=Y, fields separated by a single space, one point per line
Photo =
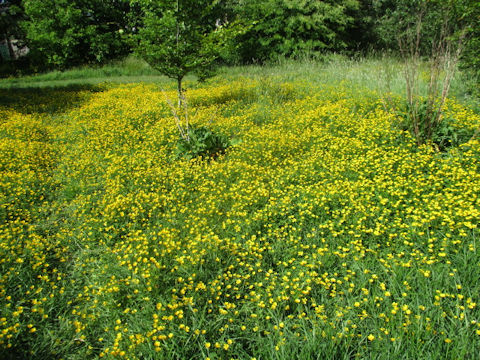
x=325 y=232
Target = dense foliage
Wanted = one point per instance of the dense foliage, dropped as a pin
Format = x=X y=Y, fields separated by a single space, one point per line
x=11 y=16
x=202 y=143
x=294 y=27
x=179 y=37
x=66 y=33
x=471 y=58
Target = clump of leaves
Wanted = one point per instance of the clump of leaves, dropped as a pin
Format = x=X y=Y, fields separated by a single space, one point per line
x=447 y=135
x=196 y=141
x=201 y=142
x=427 y=125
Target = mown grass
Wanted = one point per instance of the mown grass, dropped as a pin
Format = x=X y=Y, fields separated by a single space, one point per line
x=325 y=233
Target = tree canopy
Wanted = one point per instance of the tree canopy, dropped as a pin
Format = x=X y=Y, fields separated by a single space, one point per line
x=182 y=36
x=292 y=27
x=67 y=33
x=11 y=16
x=62 y=34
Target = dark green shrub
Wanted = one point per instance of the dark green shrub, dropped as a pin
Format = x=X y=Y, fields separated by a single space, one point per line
x=201 y=142
x=427 y=126
x=447 y=135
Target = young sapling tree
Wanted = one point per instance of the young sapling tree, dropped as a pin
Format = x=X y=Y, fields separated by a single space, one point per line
x=179 y=37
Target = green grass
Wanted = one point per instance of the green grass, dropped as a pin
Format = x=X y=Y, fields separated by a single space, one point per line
x=127 y=70
x=381 y=73
x=378 y=73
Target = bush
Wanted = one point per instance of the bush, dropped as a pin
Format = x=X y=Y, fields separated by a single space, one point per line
x=201 y=141
x=443 y=133
x=293 y=28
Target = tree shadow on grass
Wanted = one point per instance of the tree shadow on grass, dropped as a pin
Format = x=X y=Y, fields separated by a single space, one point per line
x=47 y=100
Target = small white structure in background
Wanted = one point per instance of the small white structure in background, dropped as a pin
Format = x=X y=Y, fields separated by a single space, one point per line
x=16 y=50
x=10 y=49
x=219 y=22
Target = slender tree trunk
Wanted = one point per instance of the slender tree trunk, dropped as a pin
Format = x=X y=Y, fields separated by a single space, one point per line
x=11 y=53
x=180 y=92
x=177 y=36
x=182 y=104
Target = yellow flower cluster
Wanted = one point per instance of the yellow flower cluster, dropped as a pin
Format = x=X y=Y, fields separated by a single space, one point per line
x=324 y=231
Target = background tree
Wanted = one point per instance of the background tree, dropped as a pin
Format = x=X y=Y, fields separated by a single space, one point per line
x=469 y=15
x=361 y=36
x=11 y=15
x=66 y=33
x=292 y=27
x=396 y=18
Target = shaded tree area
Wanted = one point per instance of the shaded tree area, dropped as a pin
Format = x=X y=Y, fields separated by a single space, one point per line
x=469 y=14
x=294 y=27
x=65 y=33
x=62 y=34
x=11 y=15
